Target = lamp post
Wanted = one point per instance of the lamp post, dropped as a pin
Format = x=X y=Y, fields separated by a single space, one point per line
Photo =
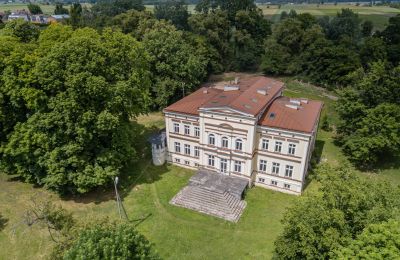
x=117 y=196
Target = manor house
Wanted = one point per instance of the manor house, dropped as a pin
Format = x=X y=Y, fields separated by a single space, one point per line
x=245 y=129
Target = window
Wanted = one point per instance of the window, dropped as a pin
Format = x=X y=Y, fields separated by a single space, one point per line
x=187 y=130
x=211 y=160
x=265 y=144
x=177 y=160
x=211 y=139
x=278 y=147
x=176 y=127
x=197 y=131
x=274 y=183
x=287 y=186
x=187 y=162
x=196 y=151
x=238 y=145
x=289 y=171
x=263 y=165
x=238 y=166
x=223 y=165
x=177 y=147
x=187 y=149
x=261 y=180
x=196 y=164
x=224 y=142
x=275 y=168
x=292 y=149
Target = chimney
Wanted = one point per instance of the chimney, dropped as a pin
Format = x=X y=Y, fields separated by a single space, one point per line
x=205 y=91
x=262 y=92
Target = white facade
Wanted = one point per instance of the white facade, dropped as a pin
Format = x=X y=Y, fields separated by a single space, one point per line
x=232 y=143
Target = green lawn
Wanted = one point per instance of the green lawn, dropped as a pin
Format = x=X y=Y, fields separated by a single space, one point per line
x=177 y=233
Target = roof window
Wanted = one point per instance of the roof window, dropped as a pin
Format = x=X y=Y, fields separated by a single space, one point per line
x=247 y=106
x=254 y=100
x=262 y=91
x=272 y=115
x=230 y=87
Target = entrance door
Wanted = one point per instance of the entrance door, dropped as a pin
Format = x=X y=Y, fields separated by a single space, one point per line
x=223 y=166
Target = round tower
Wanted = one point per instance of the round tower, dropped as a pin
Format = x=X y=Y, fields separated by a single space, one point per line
x=159 y=147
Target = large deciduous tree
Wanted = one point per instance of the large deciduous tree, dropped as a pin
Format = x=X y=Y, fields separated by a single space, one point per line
x=176 y=65
x=174 y=11
x=324 y=221
x=74 y=104
x=110 y=241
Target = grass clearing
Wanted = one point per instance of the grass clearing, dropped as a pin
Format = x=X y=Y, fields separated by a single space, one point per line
x=177 y=233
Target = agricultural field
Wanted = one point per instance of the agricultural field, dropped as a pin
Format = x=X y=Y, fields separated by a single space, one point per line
x=379 y=15
x=47 y=9
x=177 y=233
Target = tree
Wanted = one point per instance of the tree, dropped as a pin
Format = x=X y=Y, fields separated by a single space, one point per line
x=3 y=222
x=110 y=241
x=60 y=9
x=377 y=241
x=345 y=24
x=177 y=67
x=376 y=137
x=130 y=22
x=174 y=11
x=22 y=30
x=34 y=9
x=75 y=12
x=373 y=50
x=79 y=99
x=111 y=8
x=215 y=28
x=368 y=127
x=391 y=37
x=230 y=6
x=324 y=221
x=366 y=28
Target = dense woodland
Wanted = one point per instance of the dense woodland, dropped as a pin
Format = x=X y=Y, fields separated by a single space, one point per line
x=69 y=96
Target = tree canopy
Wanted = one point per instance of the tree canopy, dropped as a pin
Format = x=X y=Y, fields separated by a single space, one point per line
x=344 y=207
x=106 y=240
x=72 y=107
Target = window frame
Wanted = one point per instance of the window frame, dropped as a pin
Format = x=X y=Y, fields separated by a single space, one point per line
x=187 y=149
x=196 y=151
x=275 y=168
x=196 y=131
x=177 y=128
x=211 y=137
x=261 y=163
x=237 y=166
x=274 y=183
x=292 y=149
x=177 y=147
x=263 y=142
x=238 y=143
x=278 y=144
x=186 y=129
x=211 y=158
x=224 y=139
x=289 y=169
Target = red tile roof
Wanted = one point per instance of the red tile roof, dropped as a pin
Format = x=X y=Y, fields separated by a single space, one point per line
x=246 y=99
x=301 y=119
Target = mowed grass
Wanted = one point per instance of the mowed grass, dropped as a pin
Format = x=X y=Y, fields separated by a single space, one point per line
x=177 y=233
x=379 y=15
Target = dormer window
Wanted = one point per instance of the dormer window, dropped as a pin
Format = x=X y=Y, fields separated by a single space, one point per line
x=239 y=145
x=211 y=139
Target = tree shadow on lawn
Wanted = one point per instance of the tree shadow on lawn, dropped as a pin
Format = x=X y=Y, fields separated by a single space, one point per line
x=134 y=173
x=3 y=222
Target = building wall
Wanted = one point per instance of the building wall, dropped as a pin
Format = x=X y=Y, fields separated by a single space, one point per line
x=233 y=126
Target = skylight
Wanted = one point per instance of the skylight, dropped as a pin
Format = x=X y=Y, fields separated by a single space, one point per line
x=272 y=115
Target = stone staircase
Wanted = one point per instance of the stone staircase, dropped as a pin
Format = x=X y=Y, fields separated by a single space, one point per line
x=214 y=203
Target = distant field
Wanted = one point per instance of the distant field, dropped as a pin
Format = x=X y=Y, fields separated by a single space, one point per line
x=379 y=15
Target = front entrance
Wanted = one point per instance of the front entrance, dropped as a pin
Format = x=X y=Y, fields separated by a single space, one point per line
x=223 y=166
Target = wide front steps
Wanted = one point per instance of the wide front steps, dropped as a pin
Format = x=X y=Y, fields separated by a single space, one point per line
x=222 y=205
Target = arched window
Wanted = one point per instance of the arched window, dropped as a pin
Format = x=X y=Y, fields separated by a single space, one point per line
x=224 y=142
x=239 y=145
x=211 y=139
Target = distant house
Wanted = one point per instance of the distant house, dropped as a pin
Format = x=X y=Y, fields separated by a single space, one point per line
x=39 y=19
x=57 y=18
x=19 y=15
